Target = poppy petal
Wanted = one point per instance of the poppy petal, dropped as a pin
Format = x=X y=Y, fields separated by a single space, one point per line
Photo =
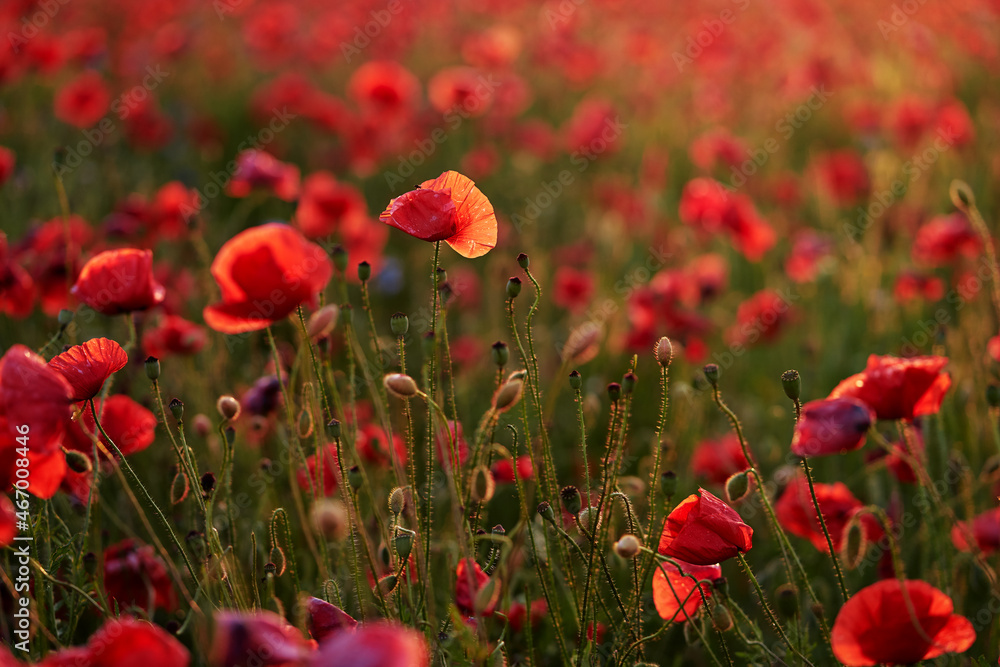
x=477 y=222
x=87 y=366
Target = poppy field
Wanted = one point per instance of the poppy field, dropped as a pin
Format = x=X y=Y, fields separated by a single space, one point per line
x=580 y=332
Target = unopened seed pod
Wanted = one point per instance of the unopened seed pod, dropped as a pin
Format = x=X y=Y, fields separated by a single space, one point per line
x=545 y=510
x=508 y=395
x=575 y=380
x=387 y=584
x=399 y=323
x=628 y=383
x=664 y=352
x=78 y=462
x=513 y=287
x=500 y=354
x=400 y=385
x=737 y=486
x=614 y=391
x=176 y=408
x=152 y=368
x=627 y=546
x=364 y=271
x=397 y=500
x=522 y=261
x=712 y=374
x=403 y=543
x=791 y=382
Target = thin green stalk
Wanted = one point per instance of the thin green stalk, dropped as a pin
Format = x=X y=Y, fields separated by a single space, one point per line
x=767 y=610
x=826 y=533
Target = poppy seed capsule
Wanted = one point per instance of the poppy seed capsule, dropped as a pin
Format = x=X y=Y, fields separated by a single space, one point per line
x=614 y=392
x=792 y=384
x=400 y=385
x=400 y=324
x=323 y=321
x=176 y=408
x=228 y=407
x=354 y=477
x=78 y=462
x=508 y=395
x=364 y=271
x=523 y=261
x=208 y=483
x=545 y=509
x=737 y=486
x=387 y=584
x=513 y=287
x=571 y=500
x=576 y=380
x=664 y=352
x=712 y=374
x=627 y=546
x=152 y=368
x=333 y=428
x=397 y=501
x=628 y=383
x=500 y=353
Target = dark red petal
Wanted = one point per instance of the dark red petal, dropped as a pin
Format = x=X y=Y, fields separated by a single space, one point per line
x=87 y=366
x=426 y=214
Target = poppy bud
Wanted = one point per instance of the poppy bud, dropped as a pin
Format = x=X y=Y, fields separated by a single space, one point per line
x=400 y=385
x=614 y=392
x=523 y=261
x=575 y=380
x=737 y=486
x=513 y=287
x=364 y=271
x=993 y=396
x=208 y=483
x=712 y=374
x=792 y=384
x=628 y=383
x=571 y=500
x=65 y=317
x=787 y=600
x=333 y=428
x=721 y=618
x=545 y=509
x=508 y=395
x=397 y=500
x=270 y=568
x=78 y=462
x=152 y=368
x=399 y=323
x=483 y=484
x=339 y=256
x=403 y=543
x=387 y=584
x=429 y=343
x=664 y=352
x=855 y=545
x=228 y=407
x=354 y=477
x=668 y=484
x=961 y=195
x=176 y=408
x=330 y=519
x=500 y=353
x=627 y=546
x=322 y=322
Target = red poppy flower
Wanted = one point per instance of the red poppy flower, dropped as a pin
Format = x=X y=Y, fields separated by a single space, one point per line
x=444 y=439
x=331 y=470
x=6 y=164
x=898 y=388
x=372 y=445
x=717 y=460
x=898 y=464
x=87 y=366
x=717 y=147
x=503 y=471
x=33 y=397
x=466 y=598
x=8 y=521
x=55 y=259
x=461 y=90
x=127 y=642
x=708 y=206
x=129 y=425
x=809 y=250
x=761 y=318
x=518 y=614
x=844 y=176
x=944 y=239
x=172 y=209
x=797 y=514
x=325 y=204
x=831 y=426
x=573 y=289
x=449 y=208
x=593 y=130
x=83 y=101
x=674 y=593
x=985 y=528
x=874 y=626
x=264 y=635
x=135 y=575
x=911 y=285
x=381 y=644
x=325 y=619
x=119 y=281
x=17 y=289
x=259 y=170
x=385 y=89
x=703 y=530
x=265 y=273
x=174 y=335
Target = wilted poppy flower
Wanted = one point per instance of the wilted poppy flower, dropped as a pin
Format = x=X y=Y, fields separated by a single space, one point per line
x=831 y=426
x=674 y=591
x=265 y=273
x=261 y=635
x=83 y=100
x=381 y=644
x=87 y=366
x=259 y=170
x=35 y=397
x=325 y=619
x=717 y=460
x=703 y=530
x=897 y=388
x=471 y=601
x=796 y=513
x=135 y=575
x=875 y=627
x=119 y=281
x=573 y=289
x=449 y=208
x=325 y=204
x=129 y=425
x=174 y=335
x=985 y=528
